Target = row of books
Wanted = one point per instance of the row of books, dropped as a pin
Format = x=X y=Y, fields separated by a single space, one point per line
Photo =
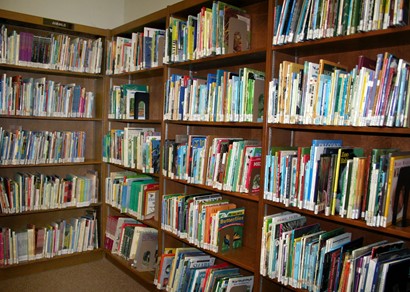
x=301 y=20
x=206 y=220
x=35 y=147
x=143 y=50
x=129 y=101
x=222 y=29
x=220 y=97
x=132 y=193
x=230 y=164
x=40 y=97
x=374 y=93
x=133 y=147
x=189 y=269
x=133 y=241
x=38 y=191
x=53 y=51
x=56 y=238
x=306 y=257
x=340 y=180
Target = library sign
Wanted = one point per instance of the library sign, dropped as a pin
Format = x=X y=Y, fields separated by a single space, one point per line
x=58 y=23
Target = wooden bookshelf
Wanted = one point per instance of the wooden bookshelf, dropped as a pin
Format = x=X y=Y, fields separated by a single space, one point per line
x=92 y=127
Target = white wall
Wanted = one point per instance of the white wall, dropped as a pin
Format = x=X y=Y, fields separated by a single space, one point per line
x=135 y=9
x=98 y=13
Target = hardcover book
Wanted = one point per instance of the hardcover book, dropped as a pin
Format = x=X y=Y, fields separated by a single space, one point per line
x=230 y=229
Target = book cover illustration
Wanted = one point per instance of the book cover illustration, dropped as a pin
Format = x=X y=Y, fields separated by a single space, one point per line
x=230 y=229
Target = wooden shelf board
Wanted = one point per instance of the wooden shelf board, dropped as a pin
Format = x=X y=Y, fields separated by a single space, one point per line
x=346 y=129
x=144 y=73
x=55 y=258
x=86 y=162
x=146 y=278
x=395 y=231
x=11 y=67
x=235 y=59
x=245 y=196
x=360 y=41
x=217 y=124
x=49 y=210
x=149 y=222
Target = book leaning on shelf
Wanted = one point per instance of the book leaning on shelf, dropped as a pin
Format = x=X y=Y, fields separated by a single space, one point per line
x=123 y=101
x=189 y=269
x=143 y=50
x=340 y=180
x=301 y=20
x=31 y=192
x=133 y=147
x=133 y=241
x=373 y=93
x=132 y=193
x=206 y=220
x=56 y=238
x=231 y=164
x=220 y=97
x=309 y=258
x=36 y=147
x=27 y=96
x=221 y=29
x=52 y=51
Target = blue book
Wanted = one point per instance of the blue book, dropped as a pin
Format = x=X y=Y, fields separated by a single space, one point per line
x=219 y=101
x=289 y=20
x=268 y=169
x=211 y=96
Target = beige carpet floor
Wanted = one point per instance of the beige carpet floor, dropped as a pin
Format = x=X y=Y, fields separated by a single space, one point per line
x=99 y=275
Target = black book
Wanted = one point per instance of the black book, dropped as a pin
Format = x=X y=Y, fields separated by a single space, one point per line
x=141 y=106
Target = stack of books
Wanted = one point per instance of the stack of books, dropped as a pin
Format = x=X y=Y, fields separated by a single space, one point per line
x=302 y=20
x=231 y=164
x=137 y=148
x=40 y=97
x=52 y=51
x=222 y=29
x=133 y=241
x=206 y=220
x=374 y=93
x=220 y=97
x=143 y=50
x=306 y=257
x=36 y=147
x=189 y=269
x=132 y=193
x=57 y=238
x=329 y=178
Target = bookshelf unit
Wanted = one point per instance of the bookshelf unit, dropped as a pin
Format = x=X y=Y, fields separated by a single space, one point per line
x=246 y=257
x=154 y=78
x=91 y=125
x=343 y=50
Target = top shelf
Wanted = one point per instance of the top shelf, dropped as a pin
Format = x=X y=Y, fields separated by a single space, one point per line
x=385 y=38
x=239 y=58
x=15 y=18
x=193 y=6
x=11 y=67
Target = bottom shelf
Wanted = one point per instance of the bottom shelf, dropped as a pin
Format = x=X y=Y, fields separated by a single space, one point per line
x=45 y=264
x=146 y=279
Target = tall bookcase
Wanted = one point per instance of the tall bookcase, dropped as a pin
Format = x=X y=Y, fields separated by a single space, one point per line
x=153 y=78
x=47 y=122
x=343 y=50
x=246 y=257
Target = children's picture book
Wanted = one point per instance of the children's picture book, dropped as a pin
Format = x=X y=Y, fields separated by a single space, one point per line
x=230 y=229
